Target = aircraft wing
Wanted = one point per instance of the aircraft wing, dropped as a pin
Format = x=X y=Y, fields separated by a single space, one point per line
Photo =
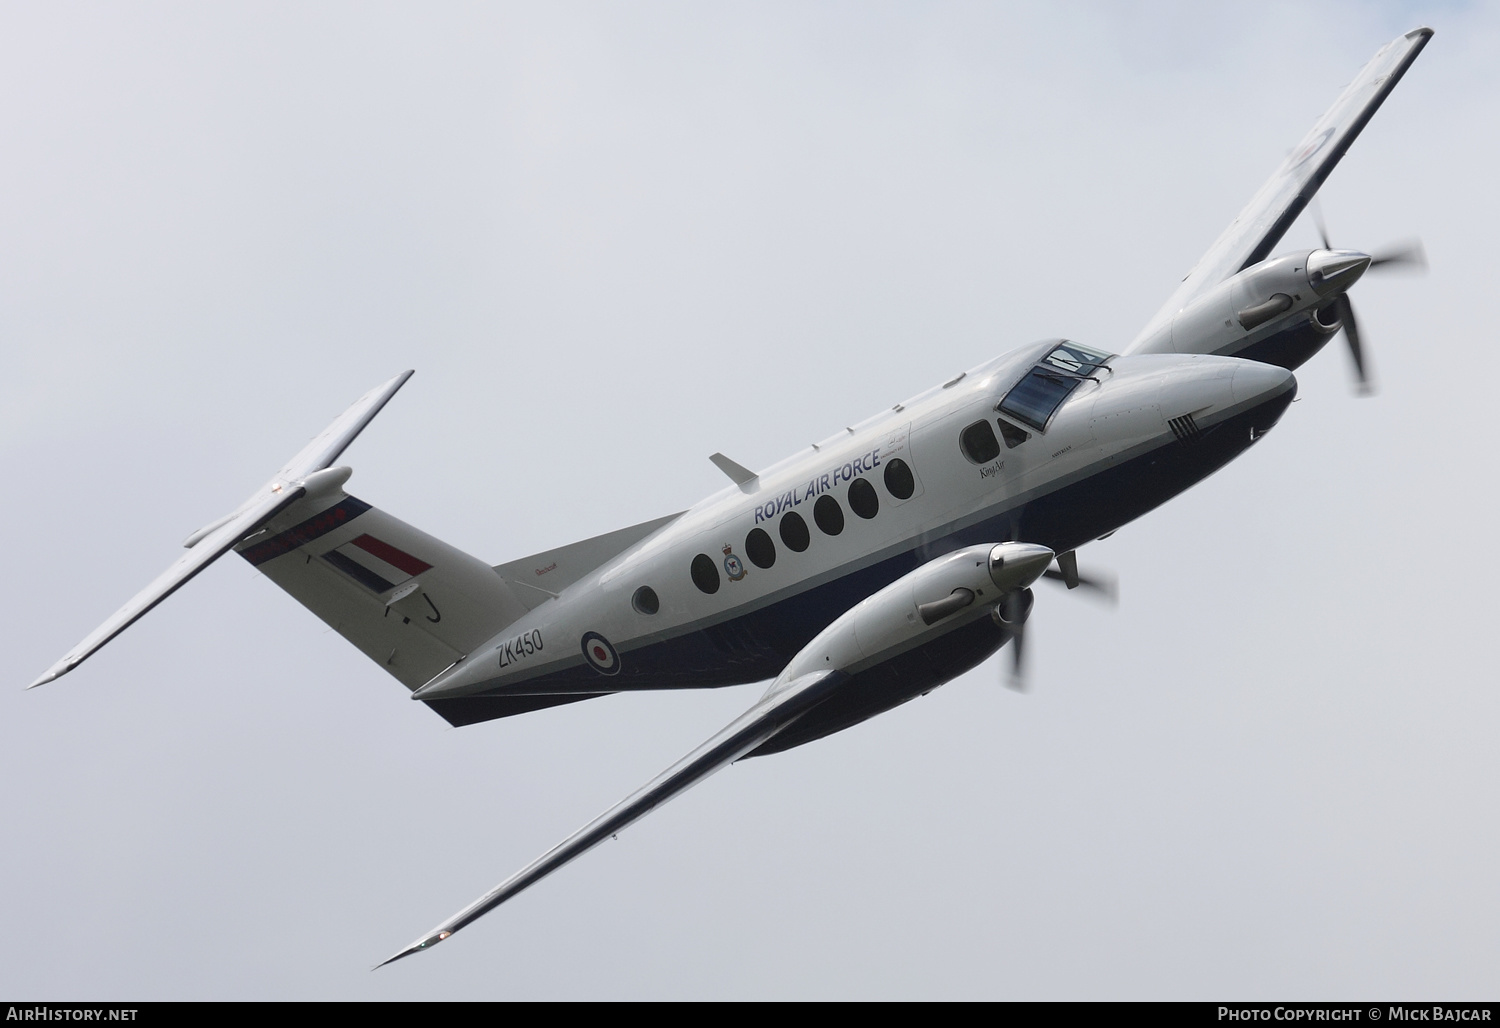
x=1250 y=238
x=774 y=712
x=207 y=545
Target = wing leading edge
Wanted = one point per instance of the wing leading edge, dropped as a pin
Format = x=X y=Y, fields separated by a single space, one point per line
x=780 y=707
x=1250 y=238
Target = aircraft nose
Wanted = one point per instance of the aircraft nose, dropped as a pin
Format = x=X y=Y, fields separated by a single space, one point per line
x=1205 y=390
x=1265 y=391
x=1256 y=383
x=1334 y=271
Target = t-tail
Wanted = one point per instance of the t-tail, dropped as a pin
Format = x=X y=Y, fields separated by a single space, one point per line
x=408 y=601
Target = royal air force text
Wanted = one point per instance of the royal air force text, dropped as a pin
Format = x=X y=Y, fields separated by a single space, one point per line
x=818 y=485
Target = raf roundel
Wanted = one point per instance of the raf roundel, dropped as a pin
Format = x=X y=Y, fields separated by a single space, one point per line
x=600 y=654
x=1302 y=156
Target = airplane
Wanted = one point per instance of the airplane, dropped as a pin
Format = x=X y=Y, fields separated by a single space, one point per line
x=855 y=575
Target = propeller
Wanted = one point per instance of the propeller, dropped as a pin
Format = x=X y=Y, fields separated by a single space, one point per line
x=1011 y=614
x=1015 y=607
x=1409 y=255
x=1068 y=574
x=1409 y=252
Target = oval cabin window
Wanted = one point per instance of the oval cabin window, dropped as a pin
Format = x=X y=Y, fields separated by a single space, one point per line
x=829 y=515
x=645 y=600
x=794 y=532
x=705 y=573
x=899 y=480
x=862 y=498
x=759 y=548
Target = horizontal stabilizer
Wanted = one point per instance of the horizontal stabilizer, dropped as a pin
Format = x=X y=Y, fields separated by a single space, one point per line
x=298 y=477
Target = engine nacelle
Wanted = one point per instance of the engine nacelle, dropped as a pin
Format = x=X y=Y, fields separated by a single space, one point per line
x=923 y=629
x=931 y=601
x=920 y=631
x=1268 y=312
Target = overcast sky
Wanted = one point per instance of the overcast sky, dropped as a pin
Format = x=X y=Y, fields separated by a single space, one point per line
x=613 y=239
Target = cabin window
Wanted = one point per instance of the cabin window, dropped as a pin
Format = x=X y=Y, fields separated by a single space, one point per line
x=899 y=480
x=979 y=443
x=862 y=498
x=645 y=600
x=829 y=515
x=794 y=532
x=759 y=548
x=705 y=573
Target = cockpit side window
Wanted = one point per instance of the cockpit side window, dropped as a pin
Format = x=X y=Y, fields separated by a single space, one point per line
x=1034 y=399
x=1012 y=435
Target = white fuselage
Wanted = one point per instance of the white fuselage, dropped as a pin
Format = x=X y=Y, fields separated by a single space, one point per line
x=595 y=636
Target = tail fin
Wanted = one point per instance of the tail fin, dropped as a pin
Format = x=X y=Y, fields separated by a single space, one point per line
x=408 y=601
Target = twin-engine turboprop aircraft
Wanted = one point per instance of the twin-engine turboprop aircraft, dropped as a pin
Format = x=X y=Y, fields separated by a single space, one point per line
x=857 y=575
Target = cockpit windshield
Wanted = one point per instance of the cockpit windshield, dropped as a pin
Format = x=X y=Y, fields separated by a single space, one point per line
x=1034 y=399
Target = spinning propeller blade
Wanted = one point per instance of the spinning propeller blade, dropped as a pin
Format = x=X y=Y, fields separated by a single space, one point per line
x=1409 y=254
x=1067 y=573
x=1012 y=612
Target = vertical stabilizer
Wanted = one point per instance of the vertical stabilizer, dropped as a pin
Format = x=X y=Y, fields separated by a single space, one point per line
x=408 y=601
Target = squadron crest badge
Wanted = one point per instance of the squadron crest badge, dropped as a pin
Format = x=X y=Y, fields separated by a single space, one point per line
x=733 y=566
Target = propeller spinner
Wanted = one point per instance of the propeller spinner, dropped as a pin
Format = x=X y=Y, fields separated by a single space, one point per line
x=1334 y=271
